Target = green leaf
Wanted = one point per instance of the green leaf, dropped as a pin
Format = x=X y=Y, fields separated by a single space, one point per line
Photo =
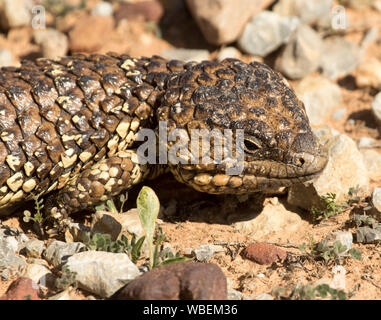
x=111 y=206
x=155 y=261
x=174 y=260
x=100 y=207
x=100 y=242
x=303 y=247
x=148 y=206
x=341 y=295
x=322 y=290
x=355 y=254
x=136 y=249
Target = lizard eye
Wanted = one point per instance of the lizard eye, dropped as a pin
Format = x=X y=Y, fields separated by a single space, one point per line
x=251 y=145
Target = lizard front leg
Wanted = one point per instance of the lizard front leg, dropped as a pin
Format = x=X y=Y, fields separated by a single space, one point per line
x=103 y=180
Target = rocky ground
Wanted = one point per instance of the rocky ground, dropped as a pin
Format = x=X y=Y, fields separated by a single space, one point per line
x=305 y=242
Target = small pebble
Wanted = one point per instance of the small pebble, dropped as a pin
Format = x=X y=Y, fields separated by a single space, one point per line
x=34 y=248
x=204 y=252
x=102 y=8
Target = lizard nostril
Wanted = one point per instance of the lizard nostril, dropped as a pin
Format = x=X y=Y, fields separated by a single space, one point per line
x=301 y=162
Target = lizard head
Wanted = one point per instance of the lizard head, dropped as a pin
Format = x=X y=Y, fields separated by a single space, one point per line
x=272 y=144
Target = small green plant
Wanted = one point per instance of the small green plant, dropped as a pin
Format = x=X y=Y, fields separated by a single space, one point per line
x=354 y=197
x=355 y=254
x=364 y=220
x=161 y=256
x=38 y=218
x=329 y=208
x=103 y=242
x=148 y=209
x=60 y=8
x=68 y=278
x=311 y=247
x=307 y=292
x=329 y=253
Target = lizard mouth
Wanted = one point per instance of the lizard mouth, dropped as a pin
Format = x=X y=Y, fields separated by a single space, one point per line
x=257 y=176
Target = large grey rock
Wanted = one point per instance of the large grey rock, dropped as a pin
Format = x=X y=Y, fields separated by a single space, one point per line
x=310 y=11
x=266 y=32
x=14 y=13
x=222 y=21
x=186 y=55
x=102 y=273
x=58 y=252
x=302 y=53
x=320 y=96
x=339 y=58
x=345 y=169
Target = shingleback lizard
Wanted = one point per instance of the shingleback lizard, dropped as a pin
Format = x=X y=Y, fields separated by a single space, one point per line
x=68 y=126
